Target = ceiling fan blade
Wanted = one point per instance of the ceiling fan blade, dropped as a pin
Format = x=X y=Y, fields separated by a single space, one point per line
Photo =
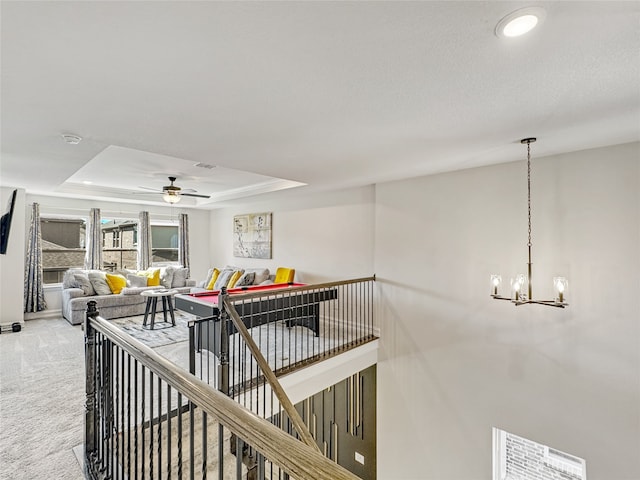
x=149 y=188
x=147 y=193
x=194 y=195
x=188 y=190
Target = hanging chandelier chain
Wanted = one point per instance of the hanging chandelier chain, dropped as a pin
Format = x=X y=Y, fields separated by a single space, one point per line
x=529 y=188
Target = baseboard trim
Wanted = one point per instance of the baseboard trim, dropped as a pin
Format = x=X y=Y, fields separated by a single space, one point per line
x=43 y=314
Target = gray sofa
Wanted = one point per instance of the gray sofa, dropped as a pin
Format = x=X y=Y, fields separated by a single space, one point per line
x=77 y=292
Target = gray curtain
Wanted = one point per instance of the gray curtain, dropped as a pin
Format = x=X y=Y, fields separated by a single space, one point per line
x=144 y=241
x=93 y=257
x=33 y=291
x=183 y=239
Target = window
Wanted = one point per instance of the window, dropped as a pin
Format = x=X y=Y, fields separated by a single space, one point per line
x=119 y=243
x=164 y=244
x=63 y=246
x=517 y=457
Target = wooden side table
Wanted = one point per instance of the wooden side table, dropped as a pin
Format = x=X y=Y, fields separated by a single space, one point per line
x=152 y=303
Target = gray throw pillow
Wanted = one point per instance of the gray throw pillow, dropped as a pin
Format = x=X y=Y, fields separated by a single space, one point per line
x=99 y=283
x=223 y=279
x=82 y=281
x=262 y=274
x=136 y=280
x=180 y=276
x=68 y=280
x=166 y=276
x=245 y=280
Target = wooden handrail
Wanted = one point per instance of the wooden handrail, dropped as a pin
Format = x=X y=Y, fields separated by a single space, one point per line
x=284 y=400
x=238 y=297
x=295 y=457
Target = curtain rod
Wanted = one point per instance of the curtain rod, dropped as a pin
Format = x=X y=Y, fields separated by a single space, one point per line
x=86 y=211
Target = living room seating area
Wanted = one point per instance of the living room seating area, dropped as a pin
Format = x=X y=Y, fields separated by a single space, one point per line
x=117 y=294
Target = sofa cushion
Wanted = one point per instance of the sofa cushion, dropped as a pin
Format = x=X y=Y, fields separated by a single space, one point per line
x=234 y=278
x=214 y=276
x=180 y=276
x=99 y=283
x=136 y=280
x=224 y=277
x=82 y=281
x=261 y=274
x=152 y=275
x=116 y=282
x=68 y=280
x=245 y=279
x=166 y=276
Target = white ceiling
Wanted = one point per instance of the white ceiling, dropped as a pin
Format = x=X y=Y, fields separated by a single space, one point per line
x=329 y=94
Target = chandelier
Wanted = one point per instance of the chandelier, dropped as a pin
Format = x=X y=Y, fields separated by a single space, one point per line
x=521 y=289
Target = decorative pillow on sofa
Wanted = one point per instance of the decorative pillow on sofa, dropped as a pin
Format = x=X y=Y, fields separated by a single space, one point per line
x=82 y=281
x=261 y=274
x=212 y=280
x=136 y=280
x=99 y=283
x=180 y=276
x=116 y=282
x=234 y=278
x=166 y=276
x=246 y=279
x=68 y=280
x=152 y=275
x=224 y=277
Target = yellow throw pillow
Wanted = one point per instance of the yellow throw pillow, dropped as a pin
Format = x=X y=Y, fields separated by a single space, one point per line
x=234 y=278
x=284 y=275
x=214 y=277
x=116 y=282
x=153 y=276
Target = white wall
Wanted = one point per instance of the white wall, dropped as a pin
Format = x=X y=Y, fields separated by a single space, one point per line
x=198 y=229
x=12 y=263
x=323 y=236
x=454 y=363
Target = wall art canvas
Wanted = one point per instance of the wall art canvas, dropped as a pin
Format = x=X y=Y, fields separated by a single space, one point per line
x=252 y=235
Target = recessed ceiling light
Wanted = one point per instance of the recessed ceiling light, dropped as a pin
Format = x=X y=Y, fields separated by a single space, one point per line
x=87 y=182
x=71 y=139
x=520 y=22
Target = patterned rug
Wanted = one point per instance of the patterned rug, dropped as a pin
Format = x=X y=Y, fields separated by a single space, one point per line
x=162 y=334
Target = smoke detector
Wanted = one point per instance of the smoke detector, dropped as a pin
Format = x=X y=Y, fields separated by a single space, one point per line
x=71 y=139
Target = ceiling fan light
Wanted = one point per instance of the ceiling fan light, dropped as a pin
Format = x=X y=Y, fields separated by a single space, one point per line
x=171 y=198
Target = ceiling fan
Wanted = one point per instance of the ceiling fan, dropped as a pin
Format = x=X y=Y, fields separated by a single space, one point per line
x=171 y=193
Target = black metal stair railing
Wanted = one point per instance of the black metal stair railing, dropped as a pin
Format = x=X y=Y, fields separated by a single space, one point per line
x=147 y=418
x=257 y=337
x=292 y=328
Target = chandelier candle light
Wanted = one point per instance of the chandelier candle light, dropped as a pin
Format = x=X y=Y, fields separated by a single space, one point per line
x=521 y=290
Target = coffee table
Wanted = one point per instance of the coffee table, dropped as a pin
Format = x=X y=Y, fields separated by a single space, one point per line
x=152 y=303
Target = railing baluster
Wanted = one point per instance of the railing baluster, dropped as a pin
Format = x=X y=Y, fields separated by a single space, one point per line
x=135 y=417
x=192 y=435
x=179 y=436
x=151 y=424
x=159 y=475
x=143 y=382
x=169 y=414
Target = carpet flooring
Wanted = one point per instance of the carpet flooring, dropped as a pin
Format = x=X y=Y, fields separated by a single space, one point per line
x=42 y=386
x=41 y=401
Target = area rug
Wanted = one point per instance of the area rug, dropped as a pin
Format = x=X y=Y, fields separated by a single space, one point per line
x=163 y=333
